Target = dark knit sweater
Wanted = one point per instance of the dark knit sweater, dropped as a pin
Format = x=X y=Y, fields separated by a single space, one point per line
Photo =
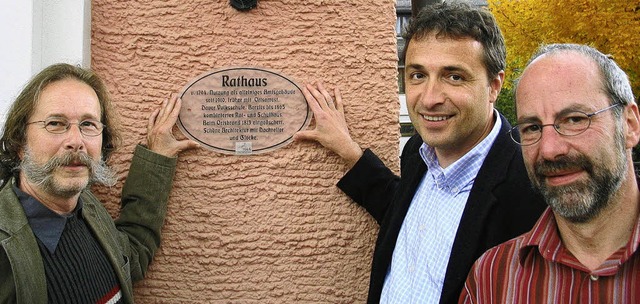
x=78 y=271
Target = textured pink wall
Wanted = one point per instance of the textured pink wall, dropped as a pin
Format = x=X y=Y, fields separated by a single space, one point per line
x=270 y=228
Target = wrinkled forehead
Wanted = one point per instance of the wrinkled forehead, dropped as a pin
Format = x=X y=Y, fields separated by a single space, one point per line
x=554 y=82
x=68 y=98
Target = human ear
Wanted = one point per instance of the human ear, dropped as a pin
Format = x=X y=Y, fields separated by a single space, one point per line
x=632 y=125
x=495 y=85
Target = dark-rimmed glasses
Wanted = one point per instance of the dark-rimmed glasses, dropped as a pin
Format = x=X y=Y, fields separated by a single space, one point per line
x=569 y=124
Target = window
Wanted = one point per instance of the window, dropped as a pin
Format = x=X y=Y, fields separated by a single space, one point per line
x=403 y=14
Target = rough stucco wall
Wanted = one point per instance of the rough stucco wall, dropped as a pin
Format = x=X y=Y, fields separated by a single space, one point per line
x=269 y=228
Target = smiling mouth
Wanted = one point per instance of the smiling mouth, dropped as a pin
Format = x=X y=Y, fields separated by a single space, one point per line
x=562 y=178
x=435 y=118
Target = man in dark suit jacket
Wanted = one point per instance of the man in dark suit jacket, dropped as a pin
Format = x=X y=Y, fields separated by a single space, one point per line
x=501 y=202
x=463 y=157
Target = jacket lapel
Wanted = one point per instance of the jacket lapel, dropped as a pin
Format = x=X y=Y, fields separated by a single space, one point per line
x=21 y=248
x=108 y=242
x=413 y=171
x=479 y=205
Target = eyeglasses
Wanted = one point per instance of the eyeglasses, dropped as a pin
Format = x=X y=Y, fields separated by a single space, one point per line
x=568 y=124
x=88 y=127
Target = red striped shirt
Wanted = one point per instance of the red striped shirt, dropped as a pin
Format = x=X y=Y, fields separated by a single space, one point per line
x=536 y=268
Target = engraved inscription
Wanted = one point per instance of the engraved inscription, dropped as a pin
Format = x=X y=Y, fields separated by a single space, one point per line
x=242 y=110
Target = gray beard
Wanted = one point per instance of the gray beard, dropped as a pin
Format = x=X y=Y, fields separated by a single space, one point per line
x=582 y=202
x=42 y=175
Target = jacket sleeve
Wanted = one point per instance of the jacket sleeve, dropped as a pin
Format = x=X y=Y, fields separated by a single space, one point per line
x=144 y=205
x=370 y=184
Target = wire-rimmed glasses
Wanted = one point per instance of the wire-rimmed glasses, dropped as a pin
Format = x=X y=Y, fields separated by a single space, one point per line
x=57 y=125
x=569 y=124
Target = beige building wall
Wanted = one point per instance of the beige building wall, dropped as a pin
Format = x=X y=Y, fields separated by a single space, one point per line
x=268 y=228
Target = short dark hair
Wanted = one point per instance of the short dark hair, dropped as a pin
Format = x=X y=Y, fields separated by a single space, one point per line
x=460 y=20
x=14 y=132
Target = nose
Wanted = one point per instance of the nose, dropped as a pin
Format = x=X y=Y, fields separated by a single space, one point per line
x=431 y=93
x=74 y=140
x=551 y=144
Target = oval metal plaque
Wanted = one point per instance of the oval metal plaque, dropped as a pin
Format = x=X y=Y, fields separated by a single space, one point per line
x=242 y=110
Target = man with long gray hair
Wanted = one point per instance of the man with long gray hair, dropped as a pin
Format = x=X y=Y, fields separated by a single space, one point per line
x=58 y=242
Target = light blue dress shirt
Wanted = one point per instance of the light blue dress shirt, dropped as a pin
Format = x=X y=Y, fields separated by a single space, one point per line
x=422 y=251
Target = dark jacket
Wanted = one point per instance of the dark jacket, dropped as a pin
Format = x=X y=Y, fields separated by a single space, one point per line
x=501 y=205
x=129 y=243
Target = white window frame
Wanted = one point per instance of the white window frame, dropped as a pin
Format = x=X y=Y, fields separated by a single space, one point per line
x=36 y=34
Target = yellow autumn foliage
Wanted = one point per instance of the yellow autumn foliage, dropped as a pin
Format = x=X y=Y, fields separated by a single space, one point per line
x=611 y=26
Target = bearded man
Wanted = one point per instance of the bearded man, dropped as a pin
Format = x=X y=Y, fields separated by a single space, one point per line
x=58 y=242
x=577 y=124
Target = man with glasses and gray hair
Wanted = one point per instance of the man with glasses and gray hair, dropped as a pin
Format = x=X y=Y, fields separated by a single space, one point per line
x=577 y=124
x=58 y=244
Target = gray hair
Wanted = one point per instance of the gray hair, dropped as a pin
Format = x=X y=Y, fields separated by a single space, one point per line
x=615 y=82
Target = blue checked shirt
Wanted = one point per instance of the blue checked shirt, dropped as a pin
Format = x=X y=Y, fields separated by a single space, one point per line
x=422 y=251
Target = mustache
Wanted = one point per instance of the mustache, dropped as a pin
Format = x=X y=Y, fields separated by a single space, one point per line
x=99 y=172
x=563 y=163
x=70 y=158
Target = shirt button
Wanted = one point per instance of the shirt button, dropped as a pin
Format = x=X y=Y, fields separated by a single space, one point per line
x=593 y=277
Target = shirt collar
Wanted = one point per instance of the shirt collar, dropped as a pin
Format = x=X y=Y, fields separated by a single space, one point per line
x=545 y=237
x=461 y=174
x=46 y=225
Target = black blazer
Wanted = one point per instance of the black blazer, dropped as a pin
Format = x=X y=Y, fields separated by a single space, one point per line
x=501 y=205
